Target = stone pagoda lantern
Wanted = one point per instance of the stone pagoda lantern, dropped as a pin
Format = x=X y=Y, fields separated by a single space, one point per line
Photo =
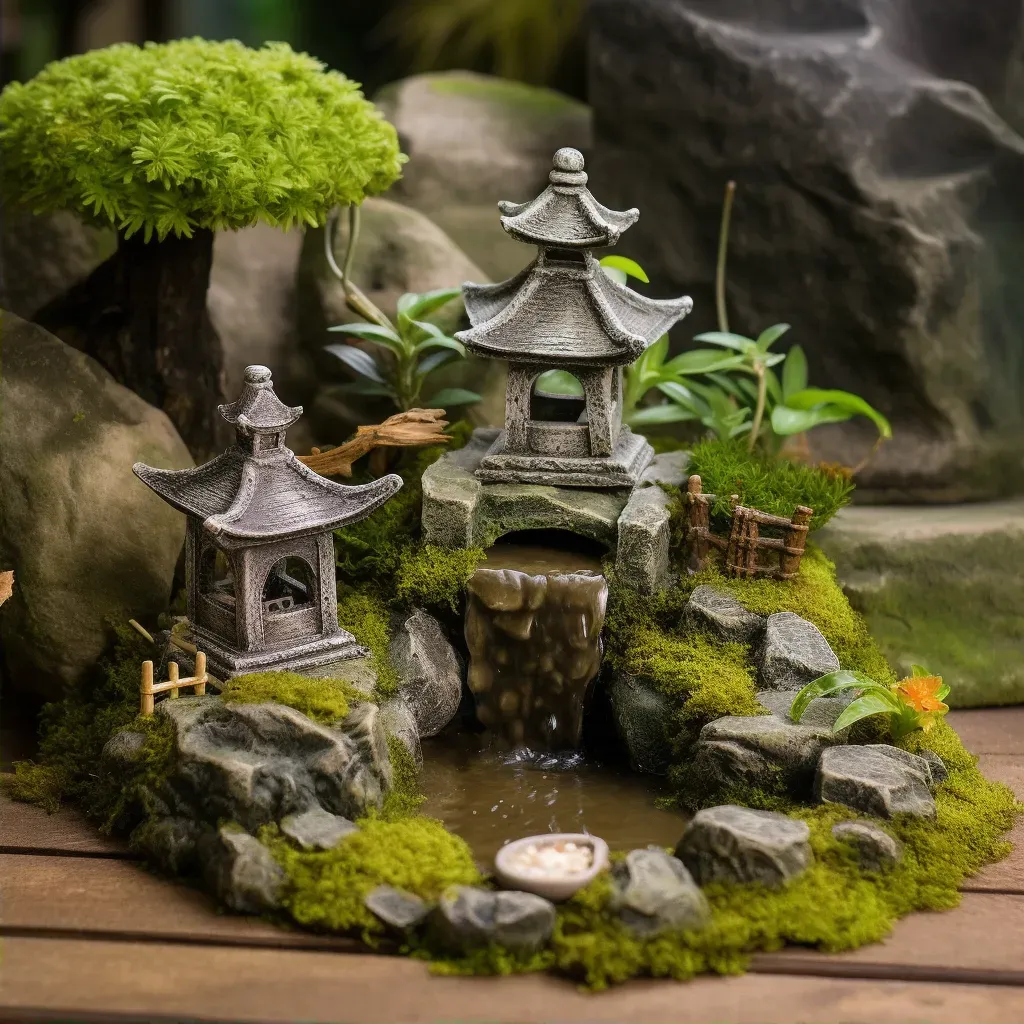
x=259 y=550
x=563 y=312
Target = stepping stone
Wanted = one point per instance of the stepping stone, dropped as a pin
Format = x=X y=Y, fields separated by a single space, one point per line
x=721 y=614
x=738 y=844
x=654 y=892
x=875 y=779
x=469 y=917
x=793 y=653
x=397 y=908
x=317 y=829
x=876 y=850
x=822 y=711
x=241 y=871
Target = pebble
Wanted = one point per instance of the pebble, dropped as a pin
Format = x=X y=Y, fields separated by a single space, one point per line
x=552 y=860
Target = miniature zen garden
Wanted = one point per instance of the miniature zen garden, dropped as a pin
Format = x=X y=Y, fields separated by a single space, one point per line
x=577 y=692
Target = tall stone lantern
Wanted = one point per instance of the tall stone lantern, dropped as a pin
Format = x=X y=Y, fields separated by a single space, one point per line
x=259 y=548
x=563 y=312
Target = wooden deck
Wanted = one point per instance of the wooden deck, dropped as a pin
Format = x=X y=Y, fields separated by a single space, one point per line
x=86 y=934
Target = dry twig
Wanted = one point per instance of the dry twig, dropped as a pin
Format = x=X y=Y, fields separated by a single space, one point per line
x=404 y=429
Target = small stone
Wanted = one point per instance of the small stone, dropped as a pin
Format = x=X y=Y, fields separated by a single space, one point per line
x=123 y=748
x=736 y=844
x=821 y=711
x=653 y=892
x=317 y=829
x=724 y=616
x=399 y=721
x=397 y=908
x=469 y=917
x=169 y=842
x=668 y=469
x=642 y=553
x=793 y=653
x=936 y=765
x=430 y=671
x=641 y=712
x=241 y=871
x=875 y=779
x=876 y=849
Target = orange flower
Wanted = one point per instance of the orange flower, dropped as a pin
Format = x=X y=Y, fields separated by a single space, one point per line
x=920 y=692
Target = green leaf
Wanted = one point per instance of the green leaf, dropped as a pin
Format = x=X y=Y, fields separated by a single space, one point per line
x=770 y=335
x=787 y=421
x=653 y=357
x=433 y=361
x=808 y=398
x=370 y=332
x=702 y=360
x=358 y=360
x=873 y=703
x=366 y=387
x=919 y=672
x=728 y=340
x=415 y=305
x=773 y=387
x=440 y=341
x=452 y=396
x=826 y=685
x=626 y=266
x=666 y=412
x=794 y=372
x=559 y=382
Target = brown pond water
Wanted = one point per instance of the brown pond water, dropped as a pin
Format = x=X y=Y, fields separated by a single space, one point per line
x=533 y=629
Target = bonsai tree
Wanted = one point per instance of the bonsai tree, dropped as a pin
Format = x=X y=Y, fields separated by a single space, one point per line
x=167 y=144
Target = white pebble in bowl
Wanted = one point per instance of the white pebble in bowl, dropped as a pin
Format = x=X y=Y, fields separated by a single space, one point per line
x=553 y=866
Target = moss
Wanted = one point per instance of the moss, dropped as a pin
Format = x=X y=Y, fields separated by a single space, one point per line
x=327 y=889
x=323 y=700
x=365 y=616
x=431 y=576
x=40 y=784
x=508 y=94
x=404 y=796
x=775 y=486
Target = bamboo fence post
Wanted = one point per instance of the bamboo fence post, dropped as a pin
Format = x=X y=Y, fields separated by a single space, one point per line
x=796 y=539
x=697 y=522
x=146 y=690
x=200 y=673
x=172 y=673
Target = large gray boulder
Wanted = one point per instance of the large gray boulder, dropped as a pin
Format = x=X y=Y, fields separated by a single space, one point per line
x=430 y=671
x=472 y=140
x=258 y=763
x=737 y=844
x=469 y=918
x=793 y=653
x=653 y=892
x=87 y=542
x=642 y=715
x=877 y=177
x=876 y=779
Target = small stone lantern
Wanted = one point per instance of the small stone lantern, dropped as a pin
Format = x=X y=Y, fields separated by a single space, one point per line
x=563 y=312
x=259 y=549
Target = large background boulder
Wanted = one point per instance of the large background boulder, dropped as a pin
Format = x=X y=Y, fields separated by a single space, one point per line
x=878 y=208
x=87 y=541
x=473 y=140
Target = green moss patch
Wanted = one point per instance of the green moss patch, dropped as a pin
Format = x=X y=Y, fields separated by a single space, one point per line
x=366 y=617
x=325 y=701
x=430 y=576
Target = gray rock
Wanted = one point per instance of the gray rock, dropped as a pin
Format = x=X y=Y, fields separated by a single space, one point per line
x=876 y=850
x=875 y=780
x=468 y=917
x=793 y=653
x=822 y=711
x=123 y=749
x=654 y=892
x=721 y=614
x=169 y=842
x=762 y=751
x=317 y=829
x=936 y=766
x=459 y=511
x=472 y=138
x=397 y=908
x=66 y=457
x=257 y=763
x=668 y=469
x=360 y=673
x=365 y=727
x=241 y=872
x=642 y=713
x=398 y=720
x=641 y=557
x=737 y=844
x=429 y=669
x=840 y=118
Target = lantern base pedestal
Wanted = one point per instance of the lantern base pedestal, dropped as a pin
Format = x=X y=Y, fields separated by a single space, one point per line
x=623 y=468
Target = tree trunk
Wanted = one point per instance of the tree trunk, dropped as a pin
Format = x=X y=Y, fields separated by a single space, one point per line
x=142 y=315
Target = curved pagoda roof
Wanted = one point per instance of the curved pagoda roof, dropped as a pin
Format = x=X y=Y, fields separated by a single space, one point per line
x=569 y=312
x=565 y=214
x=266 y=494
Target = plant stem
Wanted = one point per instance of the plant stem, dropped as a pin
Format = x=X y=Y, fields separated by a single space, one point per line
x=762 y=393
x=355 y=298
x=723 y=245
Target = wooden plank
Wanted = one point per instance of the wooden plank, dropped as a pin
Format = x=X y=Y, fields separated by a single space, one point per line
x=1006 y=875
x=43 y=978
x=990 y=730
x=29 y=828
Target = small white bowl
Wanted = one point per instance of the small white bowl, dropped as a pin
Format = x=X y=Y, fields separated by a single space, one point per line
x=555 y=888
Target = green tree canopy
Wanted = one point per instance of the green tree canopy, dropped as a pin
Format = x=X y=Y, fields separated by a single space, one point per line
x=171 y=137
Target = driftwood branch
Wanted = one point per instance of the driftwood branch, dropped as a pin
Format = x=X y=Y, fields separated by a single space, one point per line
x=405 y=429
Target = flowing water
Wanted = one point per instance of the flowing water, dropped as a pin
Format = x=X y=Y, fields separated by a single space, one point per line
x=533 y=628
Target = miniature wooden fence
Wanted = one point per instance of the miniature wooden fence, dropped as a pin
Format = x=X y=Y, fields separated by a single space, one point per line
x=744 y=541
x=149 y=689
